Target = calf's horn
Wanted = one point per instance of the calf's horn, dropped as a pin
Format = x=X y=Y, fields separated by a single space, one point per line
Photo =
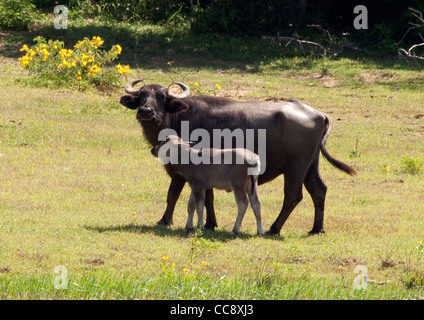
x=129 y=88
x=184 y=94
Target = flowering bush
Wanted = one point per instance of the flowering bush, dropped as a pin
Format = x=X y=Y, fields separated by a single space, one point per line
x=198 y=89
x=83 y=65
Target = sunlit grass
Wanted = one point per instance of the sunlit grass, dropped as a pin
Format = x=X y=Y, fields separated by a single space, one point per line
x=79 y=188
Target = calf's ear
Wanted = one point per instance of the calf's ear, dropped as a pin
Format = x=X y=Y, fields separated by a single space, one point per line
x=130 y=102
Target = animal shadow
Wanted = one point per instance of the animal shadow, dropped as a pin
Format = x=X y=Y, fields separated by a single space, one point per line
x=165 y=231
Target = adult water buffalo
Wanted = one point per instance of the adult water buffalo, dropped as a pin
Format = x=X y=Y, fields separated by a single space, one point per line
x=295 y=136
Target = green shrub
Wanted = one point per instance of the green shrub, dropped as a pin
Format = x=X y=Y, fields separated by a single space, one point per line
x=16 y=14
x=86 y=64
x=411 y=165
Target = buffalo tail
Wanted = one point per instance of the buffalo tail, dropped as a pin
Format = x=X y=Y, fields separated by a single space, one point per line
x=337 y=163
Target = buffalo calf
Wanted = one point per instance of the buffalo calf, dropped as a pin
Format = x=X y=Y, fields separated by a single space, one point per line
x=226 y=169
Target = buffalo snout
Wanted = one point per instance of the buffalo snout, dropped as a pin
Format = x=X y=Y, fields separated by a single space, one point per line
x=145 y=113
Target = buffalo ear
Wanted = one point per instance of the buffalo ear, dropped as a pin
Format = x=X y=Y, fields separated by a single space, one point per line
x=130 y=102
x=177 y=106
x=155 y=150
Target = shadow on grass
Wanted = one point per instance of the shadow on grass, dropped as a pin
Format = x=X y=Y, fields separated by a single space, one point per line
x=164 y=231
x=152 y=47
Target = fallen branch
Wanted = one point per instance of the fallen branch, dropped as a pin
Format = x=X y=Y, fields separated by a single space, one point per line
x=410 y=53
x=297 y=41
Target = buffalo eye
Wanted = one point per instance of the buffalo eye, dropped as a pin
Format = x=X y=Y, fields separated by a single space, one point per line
x=161 y=95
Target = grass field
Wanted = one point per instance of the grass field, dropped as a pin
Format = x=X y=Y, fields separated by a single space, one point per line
x=80 y=189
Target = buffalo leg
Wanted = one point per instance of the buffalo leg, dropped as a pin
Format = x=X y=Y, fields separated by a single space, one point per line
x=292 y=196
x=174 y=192
x=210 y=211
x=317 y=189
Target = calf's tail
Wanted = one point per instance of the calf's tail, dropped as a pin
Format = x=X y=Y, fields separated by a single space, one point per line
x=254 y=176
x=337 y=163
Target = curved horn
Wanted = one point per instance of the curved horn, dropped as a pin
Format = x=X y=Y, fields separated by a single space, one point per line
x=129 y=88
x=184 y=94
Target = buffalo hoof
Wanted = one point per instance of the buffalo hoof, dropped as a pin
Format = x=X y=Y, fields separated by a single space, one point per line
x=164 y=222
x=272 y=232
x=210 y=226
x=189 y=232
x=316 y=231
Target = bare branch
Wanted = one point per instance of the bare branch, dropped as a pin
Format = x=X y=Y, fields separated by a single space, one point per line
x=296 y=40
x=410 y=53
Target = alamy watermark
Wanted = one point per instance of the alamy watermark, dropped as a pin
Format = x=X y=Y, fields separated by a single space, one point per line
x=61 y=281
x=61 y=20
x=360 y=281
x=361 y=20
x=243 y=139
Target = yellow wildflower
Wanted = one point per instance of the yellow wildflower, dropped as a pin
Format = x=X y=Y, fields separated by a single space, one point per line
x=205 y=264
x=79 y=75
x=185 y=271
x=45 y=54
x=97 y=41
x=172 y=266
x=123 y=69
x=24 y=48
x=165 y=258
x=66 y=53
x=196 y=84
x=24 y=61
x=118 y=49
x=218 y=86
x=93 y=70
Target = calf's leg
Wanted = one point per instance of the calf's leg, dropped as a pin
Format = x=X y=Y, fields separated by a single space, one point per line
x=256 y=206
x=200 y=204
x=174 y=191
x=191 y=207
x=195 y=203
x=242 y=204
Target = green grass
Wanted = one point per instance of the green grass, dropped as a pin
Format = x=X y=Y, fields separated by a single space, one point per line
x=79 y=187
